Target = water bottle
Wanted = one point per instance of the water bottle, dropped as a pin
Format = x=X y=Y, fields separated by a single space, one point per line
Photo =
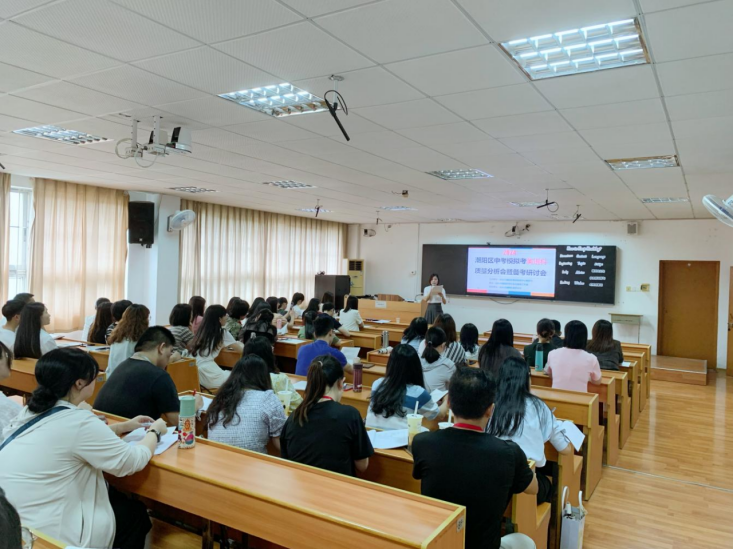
x=539 y=359
x=358 y=371
x=187 y=422
x=385 y=339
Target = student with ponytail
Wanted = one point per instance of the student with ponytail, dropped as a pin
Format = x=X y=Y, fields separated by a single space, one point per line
x=436 y=367
x=61 y=491
x=322 y=432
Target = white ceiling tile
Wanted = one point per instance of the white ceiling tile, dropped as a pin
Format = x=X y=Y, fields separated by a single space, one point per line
x=401 y=29
x=474 y=149
x=544 y=141
x=209 y=70
x=295 y=52
x=214 y=111
x=672 y=211
x=83 y=100
x=701 y=74
x=720 y=184
x=646 y=111
x=508 y=19
x=704 y=157
x=634 y=149
x=423 y=159
x=11 y=8
x=378 y=142
x=554 y=156
x=461 y=71
x=214 y=21
x=653 y=177
x=32 y=110
x=105 y=28
x=313 y=8
x=548 y=122
x=271 y=131
x=719 y=128
x=36 y=52
x=325 y=125
x=410 y=114
x=15 y=78
x=10 y=123
x=445 y=134
x=131 y=83
x=649 y=6
x=507 y=100
x=706 y=105
x=144 y=116
x=693 y=31
x=611 y=86
x=639 y=132
x=364 y=88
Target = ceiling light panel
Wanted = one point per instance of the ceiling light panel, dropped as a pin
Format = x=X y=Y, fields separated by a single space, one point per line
x=663 y=200
x=290 y=184
x=193 y=190
x=279 y=100
x=56 y=133
x=396 y=208
x=527 y=204
x=582 y=50
x=460 y=174
x=668 y=161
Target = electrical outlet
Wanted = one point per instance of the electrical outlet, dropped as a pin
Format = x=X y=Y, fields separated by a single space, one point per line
x=645 y=287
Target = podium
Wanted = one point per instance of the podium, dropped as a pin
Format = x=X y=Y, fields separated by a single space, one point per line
x=391 y=310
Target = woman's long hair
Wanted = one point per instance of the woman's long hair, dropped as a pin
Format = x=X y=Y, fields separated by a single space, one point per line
x=181 y=316
x=434 y=338
x=28 y=333
x=198 y=304
x=417 y=329
x=6 y=355
x=209 y=336
x=250 y=373
x=602 y=337
x=102 y=319
x=233 y=300
x=323 y=373
x=403 y=368
x=309 y=318
x=262 y=348
x=328 y=297
x=448 y=324
x=351 y=303
x=57 y=372
x=511 y=398
x=469 y=337
x=502 y=334
x=297 y=297
x=134 y=322
x=313 y=305
x=254 y=308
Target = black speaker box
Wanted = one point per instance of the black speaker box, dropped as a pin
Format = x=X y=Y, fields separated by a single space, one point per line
x=141 y=223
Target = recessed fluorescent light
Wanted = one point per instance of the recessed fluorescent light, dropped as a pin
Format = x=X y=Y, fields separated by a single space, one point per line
x=594 y=48
x=278 y=100
x=459 y=174
x=396 y=208
x=290 y=184
x=321 y=210
x=193 y=190
x=527 y=204
x=669 y=161
x=663 y=200
x=56 y=133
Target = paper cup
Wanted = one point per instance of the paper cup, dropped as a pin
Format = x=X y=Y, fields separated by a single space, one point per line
x=285 y=397
x=414 y=426
x=444 y=425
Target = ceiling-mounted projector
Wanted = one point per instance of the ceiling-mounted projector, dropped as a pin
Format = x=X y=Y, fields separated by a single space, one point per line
x=158 y=144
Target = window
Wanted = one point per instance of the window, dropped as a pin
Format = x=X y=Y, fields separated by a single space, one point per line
x=21 y=208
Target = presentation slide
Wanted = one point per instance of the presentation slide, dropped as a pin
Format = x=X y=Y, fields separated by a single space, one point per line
x=511 y=271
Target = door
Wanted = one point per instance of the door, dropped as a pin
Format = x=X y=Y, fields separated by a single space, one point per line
x=729 y=362
x=688 y=310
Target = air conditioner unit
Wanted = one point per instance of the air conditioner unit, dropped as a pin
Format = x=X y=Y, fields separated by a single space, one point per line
x=355 y=272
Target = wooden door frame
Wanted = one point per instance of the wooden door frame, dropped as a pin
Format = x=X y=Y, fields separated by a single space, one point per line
x=660 y=300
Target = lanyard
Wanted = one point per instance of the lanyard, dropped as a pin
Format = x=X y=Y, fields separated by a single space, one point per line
x=469 y=427
x=327 y=398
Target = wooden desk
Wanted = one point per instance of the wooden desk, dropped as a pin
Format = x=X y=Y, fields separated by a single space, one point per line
x=44 y=541
x=286 y=353
x=391 y=310
x=634 y=389
x=644 y=375
x=647 y=350
x=623 y=400
x=23 y=378
x=293 y=505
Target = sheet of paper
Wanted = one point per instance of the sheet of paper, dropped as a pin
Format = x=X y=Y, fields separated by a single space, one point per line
x=388 y=439
x=166 y=441
x=97 y=348
x=626 y=364
x=381 y=321
x=67 y=344
x=300 y=385
x=207 y=402
x=437 y=395
x=351 y=354
x=291 y=340
x=574 y=435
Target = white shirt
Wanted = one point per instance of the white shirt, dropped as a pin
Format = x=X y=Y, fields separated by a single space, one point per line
x=351 y=320
x=433 y=299
x=298 y=312
x=47 y=342
x=211 y=375
x=413 y=394
x=88 y=320
x=438 y=374
x=119 y=352
x=53 y=474
x=7 y=337
x=9 y=409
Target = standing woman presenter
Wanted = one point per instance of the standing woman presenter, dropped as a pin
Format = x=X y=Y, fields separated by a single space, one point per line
x=434 y=295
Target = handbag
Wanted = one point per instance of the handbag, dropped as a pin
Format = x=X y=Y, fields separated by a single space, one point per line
x=573 y=522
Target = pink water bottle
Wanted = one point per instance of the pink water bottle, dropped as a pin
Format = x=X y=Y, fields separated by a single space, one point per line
x=279 y=324
x=358 y=371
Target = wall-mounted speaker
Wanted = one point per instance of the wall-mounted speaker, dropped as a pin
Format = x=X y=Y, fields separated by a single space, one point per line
x=632 y=228
x=141 y=223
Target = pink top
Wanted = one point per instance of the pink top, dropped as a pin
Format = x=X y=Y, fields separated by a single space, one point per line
x=572 y=369
x=197 y=323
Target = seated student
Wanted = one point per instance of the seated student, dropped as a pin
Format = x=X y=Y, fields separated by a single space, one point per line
x=329 y=310
x=322 y=432
x=524 y=418
x=89 y=319
x=9 y=409
x=262 y=348
x=118 y=310
x=491 y=470
x=61 y=491
x=259 y=324
x=313 y=305
x=328 y=298
x=349 y=316
x=209 y=340
x=469 y=341
x=198 y=304
x=499 y=347
x=30 y=338
x=253 y=308
x=395 y=395
x=11 y=311
x=544 y=343
x=237 y=310
x=272 y=302
x=11 y=532
x=97 y=333
x=453 y=348
x=295 y=305
x=557 y=337
x=181 y=319
x=415 y=333
x=307 y=331
x=571 y=367
x=323 y=332
x=246 y=413
x=25 y=297
x=124 y=337
x=607 y=350
x=282 y=306
x=141 y=384
x=436 y=367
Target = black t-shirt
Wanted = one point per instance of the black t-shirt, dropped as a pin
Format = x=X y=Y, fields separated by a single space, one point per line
x=138 y=387
x=529 y=352
x=489 y=472
x=333 y=438
x=334 y=321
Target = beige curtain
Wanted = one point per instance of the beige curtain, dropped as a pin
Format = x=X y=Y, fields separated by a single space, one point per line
x=233 y=251
x=4 y=236
x=78 y=249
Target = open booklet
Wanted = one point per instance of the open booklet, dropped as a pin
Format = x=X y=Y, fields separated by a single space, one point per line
x=166 y=441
